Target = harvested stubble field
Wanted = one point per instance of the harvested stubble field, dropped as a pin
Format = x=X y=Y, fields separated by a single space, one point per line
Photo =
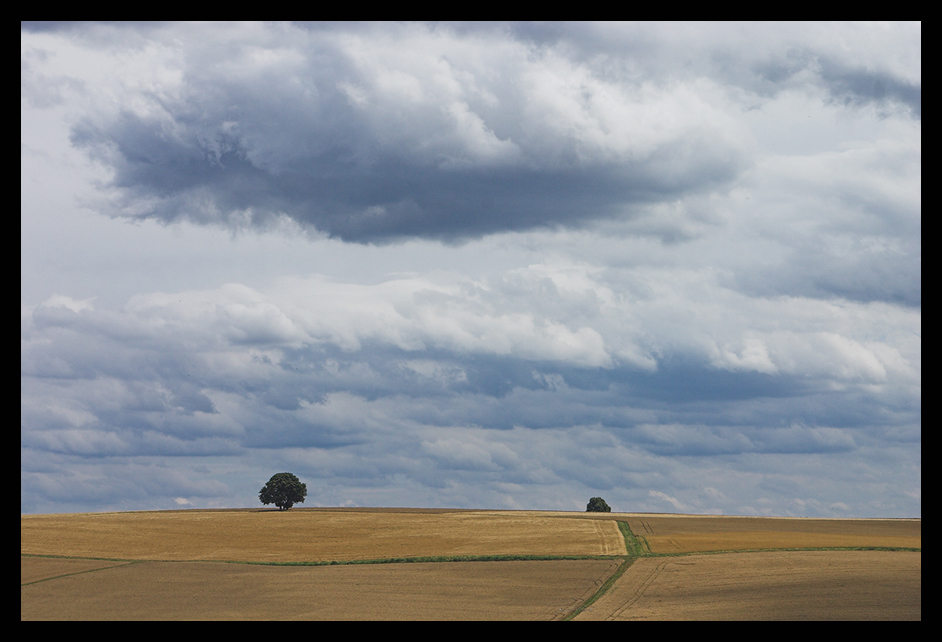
x=781 y=585
x=313 y=535
x=185 y=577
x=506 y=590
x=700 y=533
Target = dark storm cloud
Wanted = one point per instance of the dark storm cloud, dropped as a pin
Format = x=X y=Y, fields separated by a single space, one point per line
x=386 y=198
x=373 y=133
x=435 y=142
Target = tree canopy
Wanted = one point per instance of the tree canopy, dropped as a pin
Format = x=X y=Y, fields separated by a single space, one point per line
x=597 y=505
x=284 y=490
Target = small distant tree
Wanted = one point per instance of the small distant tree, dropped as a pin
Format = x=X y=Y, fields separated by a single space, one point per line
x=597 y=505
x=284 y=490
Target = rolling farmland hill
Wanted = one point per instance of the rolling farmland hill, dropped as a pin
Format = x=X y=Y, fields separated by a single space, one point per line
x=317 y=563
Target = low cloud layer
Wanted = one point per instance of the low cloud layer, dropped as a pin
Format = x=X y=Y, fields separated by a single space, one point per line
x=404 y=369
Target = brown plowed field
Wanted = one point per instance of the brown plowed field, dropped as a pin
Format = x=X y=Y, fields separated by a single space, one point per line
x=308 y=535
x=510 y=590
x=792 y=585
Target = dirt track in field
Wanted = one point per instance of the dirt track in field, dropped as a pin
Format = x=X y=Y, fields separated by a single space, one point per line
x=792 y=585
x=509 y=590
x=313 y=535
x=36 y=569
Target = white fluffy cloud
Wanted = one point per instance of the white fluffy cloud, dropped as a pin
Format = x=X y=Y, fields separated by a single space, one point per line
x=509 y=265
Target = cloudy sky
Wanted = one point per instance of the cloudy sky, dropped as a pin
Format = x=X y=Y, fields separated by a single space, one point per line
x=507 y=266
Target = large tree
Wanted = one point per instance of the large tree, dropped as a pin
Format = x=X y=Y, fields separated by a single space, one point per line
x=597 y=505
x=284 y=490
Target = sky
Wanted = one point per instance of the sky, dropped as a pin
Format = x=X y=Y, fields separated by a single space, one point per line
x=488 y=265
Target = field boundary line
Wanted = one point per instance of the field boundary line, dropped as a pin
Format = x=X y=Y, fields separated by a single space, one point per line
x=608 y=584
x=886 y=549
x=82 y=557
x=378 y=560
x=90 y=570
x=427 y=559
x=636 y=546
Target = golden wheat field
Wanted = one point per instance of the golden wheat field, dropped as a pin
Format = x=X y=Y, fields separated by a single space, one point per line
x=311 y=535
x=781 y=585
x=699 y=533
x=505 y=590
x=190 y=565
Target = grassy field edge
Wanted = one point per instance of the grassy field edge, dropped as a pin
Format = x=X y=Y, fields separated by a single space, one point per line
x=382 y=560
x=635 y=549
x=608 y=584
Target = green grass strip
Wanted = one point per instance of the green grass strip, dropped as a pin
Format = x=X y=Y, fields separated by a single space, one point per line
x=437 y=558
x=634 y=546
x=626 y=562
x=383 y=560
